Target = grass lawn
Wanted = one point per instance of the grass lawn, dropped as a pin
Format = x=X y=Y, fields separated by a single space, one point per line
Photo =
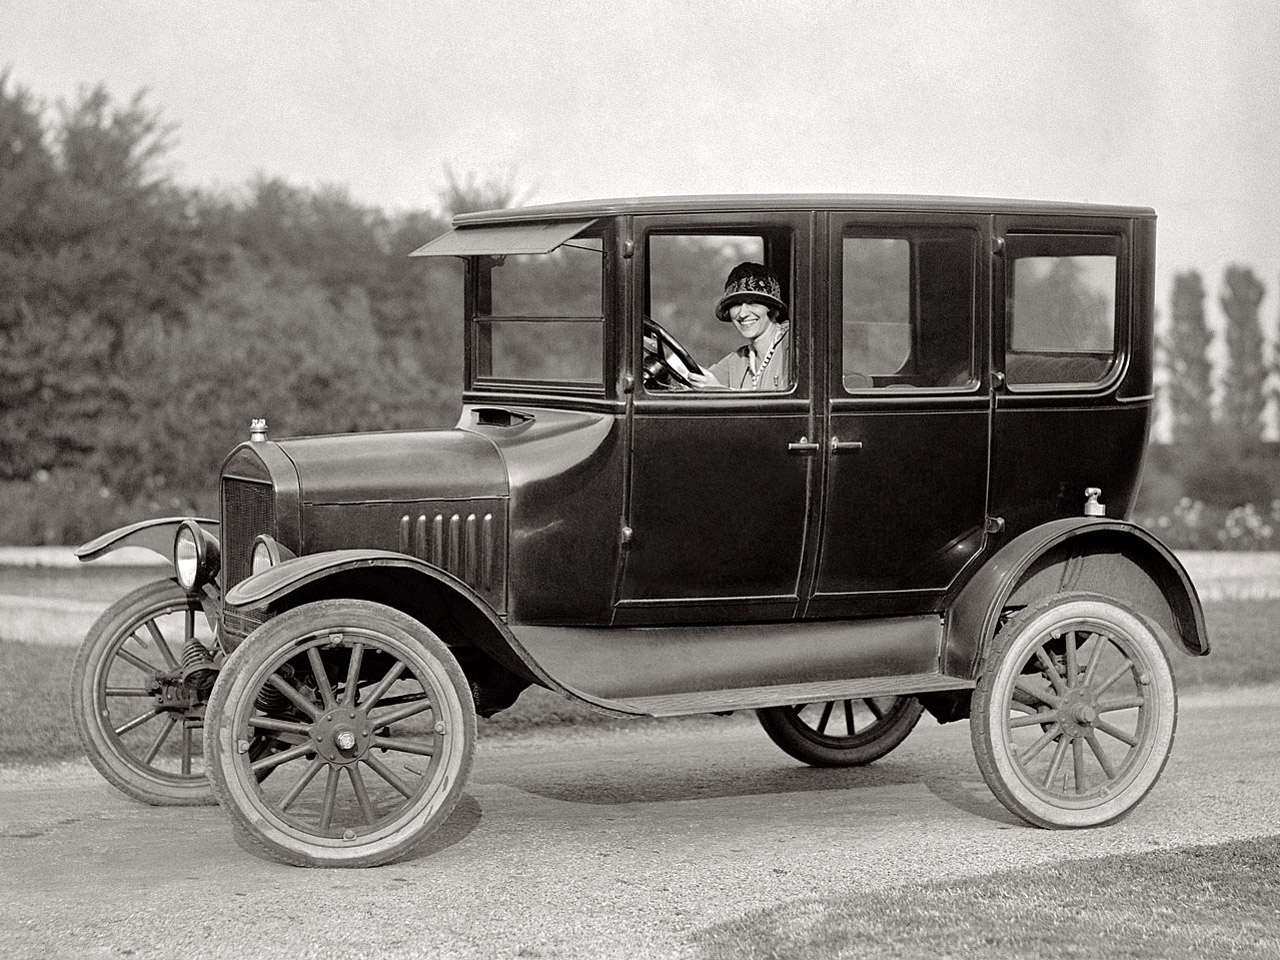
x=36 y=727
x=1180 y=904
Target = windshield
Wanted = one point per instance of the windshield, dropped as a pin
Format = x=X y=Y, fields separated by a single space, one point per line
x=539 y=318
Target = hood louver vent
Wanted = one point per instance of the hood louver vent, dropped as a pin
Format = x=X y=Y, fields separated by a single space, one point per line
x=462 y=545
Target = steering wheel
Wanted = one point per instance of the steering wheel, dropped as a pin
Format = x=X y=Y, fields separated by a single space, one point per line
x=666 y=359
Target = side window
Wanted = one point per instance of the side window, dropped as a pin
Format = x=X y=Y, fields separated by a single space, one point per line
x=1061 y=315
x=907 y=310
x=686 y=280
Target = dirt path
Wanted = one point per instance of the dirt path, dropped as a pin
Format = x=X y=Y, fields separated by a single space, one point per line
x=596 y=845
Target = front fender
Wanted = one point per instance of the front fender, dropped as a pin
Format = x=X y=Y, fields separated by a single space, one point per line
x=1110 y=557
x=434 y=597
x=279 y=581
x=154 y=535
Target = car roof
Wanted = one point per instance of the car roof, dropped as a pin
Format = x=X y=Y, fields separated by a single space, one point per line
x=765 y=203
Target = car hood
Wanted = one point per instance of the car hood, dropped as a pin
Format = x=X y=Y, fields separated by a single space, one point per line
x=393 y=467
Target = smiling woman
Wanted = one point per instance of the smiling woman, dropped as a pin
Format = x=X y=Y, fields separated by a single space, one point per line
x=753 y=302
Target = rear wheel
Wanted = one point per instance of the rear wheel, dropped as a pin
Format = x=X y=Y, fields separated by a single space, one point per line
x=841 y=733
x=140 y=721
x=374 y=727
x=1074 y=716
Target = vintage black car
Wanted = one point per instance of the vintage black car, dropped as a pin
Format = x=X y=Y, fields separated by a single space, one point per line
x=924 y=510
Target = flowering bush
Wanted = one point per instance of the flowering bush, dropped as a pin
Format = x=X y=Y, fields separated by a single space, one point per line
x=1192 y=525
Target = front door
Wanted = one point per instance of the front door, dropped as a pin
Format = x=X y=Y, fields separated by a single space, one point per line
x=906 y=437
x=720 y=485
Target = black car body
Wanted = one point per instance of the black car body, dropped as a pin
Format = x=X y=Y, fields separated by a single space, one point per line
x=957 y=447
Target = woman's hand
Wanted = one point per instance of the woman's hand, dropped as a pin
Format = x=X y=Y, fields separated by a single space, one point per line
x=703 y=379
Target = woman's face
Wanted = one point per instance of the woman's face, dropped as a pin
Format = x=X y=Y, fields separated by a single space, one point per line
x=751 y=319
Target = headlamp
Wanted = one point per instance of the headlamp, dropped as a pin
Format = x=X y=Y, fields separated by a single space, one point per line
x=196 y=556
x=266 y=554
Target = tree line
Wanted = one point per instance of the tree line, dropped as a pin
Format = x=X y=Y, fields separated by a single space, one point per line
x=144 y=323
x=1222 y=451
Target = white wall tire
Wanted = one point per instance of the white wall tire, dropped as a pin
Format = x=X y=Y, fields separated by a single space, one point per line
x=370 y=760
x=1073 y=718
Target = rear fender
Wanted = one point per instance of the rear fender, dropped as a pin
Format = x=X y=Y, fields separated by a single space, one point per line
x=154 y=535
x=448 y=606
x=1113 y=558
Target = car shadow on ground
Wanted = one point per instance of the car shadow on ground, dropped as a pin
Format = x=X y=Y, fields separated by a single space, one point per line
x=466 y=816
x=638 y=784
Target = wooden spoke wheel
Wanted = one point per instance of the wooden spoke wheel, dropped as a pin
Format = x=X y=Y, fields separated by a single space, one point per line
x=138 y=712
x=372 y=726
x=841 y=733
x=1074 y=715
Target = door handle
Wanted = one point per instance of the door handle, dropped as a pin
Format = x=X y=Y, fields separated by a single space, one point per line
x=840 y=446
x=803 y=445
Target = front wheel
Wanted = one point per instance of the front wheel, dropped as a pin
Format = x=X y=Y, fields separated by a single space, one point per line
x=841 y=733
x=1074 y=716
x=373 y=726
x=137 y=707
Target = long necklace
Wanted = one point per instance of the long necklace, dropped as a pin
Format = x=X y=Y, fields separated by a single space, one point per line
x=764 y=364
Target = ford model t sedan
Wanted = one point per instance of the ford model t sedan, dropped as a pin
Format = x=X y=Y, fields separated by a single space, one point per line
x=837 y=460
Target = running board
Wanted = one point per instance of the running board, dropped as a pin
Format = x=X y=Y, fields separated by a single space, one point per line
x=750 y=698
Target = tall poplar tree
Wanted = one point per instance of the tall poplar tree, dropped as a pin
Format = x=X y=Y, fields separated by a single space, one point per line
x=1245 y=381
x=1186 y=348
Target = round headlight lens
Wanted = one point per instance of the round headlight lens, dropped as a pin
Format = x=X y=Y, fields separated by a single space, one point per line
x=261 y=559
x=186 y=557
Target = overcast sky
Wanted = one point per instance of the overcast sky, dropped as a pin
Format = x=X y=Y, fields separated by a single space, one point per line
x=1166 y=103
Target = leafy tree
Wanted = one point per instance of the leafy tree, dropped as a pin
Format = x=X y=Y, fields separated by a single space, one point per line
x=103 y=246
x=27 y=173
x=1186 y=348
x=470 y=194
x=1244 y=397
x=264 y=344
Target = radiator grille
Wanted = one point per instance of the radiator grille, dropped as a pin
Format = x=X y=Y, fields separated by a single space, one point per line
x=248 y=509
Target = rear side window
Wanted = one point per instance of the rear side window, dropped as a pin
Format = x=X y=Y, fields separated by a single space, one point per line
x=907 y=307
x=1061 y=310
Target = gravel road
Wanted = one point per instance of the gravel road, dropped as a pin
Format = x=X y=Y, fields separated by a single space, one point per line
x=588 y=845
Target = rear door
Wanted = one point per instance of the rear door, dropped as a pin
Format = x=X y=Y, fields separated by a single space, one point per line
x=1075 y=400
x=907 y=411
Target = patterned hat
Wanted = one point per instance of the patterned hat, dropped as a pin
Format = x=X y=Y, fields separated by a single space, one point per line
x=751 y=283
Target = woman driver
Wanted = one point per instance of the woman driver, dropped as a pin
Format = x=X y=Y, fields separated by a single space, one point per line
x=752 y=301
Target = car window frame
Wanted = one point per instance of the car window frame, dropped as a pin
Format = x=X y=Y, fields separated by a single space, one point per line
x=1067 y=238
x=906 y=226
x=796 y=289
x=475 y=296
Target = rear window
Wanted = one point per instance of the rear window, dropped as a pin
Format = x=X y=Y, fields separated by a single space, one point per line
x=1061 y=318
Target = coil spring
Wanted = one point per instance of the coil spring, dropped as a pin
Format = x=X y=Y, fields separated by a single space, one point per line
x=195 y=657
x=198 y=669
x=270 y=700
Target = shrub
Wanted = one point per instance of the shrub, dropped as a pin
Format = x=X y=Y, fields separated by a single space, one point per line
x=1228 y=483
x=1194 y=525
x=65 y=507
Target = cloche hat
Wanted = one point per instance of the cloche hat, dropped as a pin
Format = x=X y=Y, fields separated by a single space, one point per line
x=751 y=283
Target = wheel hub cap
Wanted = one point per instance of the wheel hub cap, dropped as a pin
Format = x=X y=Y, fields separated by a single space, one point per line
x=1083 y=713
x=342 y=736
x=1078 y=712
